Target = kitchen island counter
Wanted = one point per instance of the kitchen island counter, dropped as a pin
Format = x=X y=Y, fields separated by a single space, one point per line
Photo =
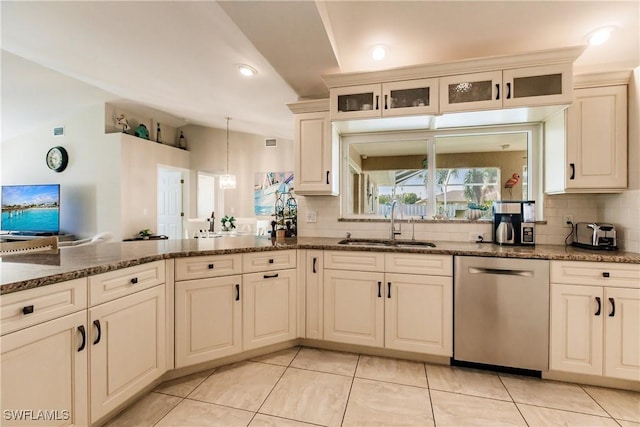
x=26 y=271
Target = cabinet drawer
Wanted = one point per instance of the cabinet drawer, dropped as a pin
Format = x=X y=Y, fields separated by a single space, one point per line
x=596 y=273
x=431 y=265
x=33 y=306
x=267 y=261
x=203 y=267
x=354 y=260
x=115 y=284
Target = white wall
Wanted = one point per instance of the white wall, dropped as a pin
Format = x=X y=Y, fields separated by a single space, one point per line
x=90 y=190
x=248 y=155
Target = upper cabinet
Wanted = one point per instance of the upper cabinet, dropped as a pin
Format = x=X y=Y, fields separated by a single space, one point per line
x=316 y=149
x=586 y=145
x=411 y=97
x=519 y=87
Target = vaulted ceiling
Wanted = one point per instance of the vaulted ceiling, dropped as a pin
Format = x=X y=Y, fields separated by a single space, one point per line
x=181 y=57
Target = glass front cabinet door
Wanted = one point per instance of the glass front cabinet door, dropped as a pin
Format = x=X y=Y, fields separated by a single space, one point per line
x=467 y=92
x=547 y=85
x=411 y=97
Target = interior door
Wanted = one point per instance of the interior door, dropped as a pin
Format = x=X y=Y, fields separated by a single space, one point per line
x=170 y=213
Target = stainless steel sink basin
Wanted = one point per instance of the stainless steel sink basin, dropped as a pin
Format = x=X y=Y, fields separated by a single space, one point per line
x=387 y=243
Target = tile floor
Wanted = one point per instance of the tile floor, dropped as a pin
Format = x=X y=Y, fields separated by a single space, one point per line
x=303 y=386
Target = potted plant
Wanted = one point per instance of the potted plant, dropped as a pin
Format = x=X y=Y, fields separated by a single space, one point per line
x=228 y=223
x=145 y=234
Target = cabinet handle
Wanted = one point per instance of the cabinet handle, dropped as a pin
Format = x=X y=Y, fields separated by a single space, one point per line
x=597 y=313
x=237 y=292
x=273 y=276
x=84 y=337
x=379 y=289
x=377 y=102
x=605 y=274
x=96 y=323
x=314 y=264
x=573 y=170
x=328 y=172
x=27 y=309
x=388 y=289
x=497 y=91
x=508 y=90
x=210 y=266
x=613 y=307
x=271 y=261
x=385 y=102
x=134 y=280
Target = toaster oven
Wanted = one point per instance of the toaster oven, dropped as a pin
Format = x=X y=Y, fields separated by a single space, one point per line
x=595 y=236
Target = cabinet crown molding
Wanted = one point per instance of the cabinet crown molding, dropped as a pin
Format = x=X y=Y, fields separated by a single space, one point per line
x=465 y=66
x=309 y=106
x=602 y=79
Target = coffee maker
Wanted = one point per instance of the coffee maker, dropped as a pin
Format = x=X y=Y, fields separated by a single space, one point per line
x=514 y=222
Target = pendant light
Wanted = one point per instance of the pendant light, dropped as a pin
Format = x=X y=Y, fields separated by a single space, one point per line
x=227 y=181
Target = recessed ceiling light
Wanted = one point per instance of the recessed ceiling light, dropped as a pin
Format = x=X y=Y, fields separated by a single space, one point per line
x=378 y=52
x=247 y=70
x=600 y=36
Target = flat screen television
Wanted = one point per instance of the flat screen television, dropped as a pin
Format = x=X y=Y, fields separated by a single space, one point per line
x=31 y=209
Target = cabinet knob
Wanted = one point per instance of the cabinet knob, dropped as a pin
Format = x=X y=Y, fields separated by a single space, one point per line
x=27 y=309
x=210 y=266
x=134 y=280
x=271 y=261
x=605 y=274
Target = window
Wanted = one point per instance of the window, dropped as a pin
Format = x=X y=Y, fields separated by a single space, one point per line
x=442 y=174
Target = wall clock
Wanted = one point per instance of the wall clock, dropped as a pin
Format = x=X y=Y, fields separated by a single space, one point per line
x=57 y=159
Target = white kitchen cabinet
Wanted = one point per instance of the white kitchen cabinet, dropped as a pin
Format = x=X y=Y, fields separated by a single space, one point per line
x=402 y=98
x=586 y=145
x=316 y=154
x=314 y=287
x=44 y=373
x=127 y=347
x=208 y=319
x=595 y=319
x=268 y=308
x=365 y=305
x=354 y=307
x=517 y=87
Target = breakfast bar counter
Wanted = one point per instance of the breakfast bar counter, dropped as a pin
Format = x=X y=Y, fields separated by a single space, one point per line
x=26 y=271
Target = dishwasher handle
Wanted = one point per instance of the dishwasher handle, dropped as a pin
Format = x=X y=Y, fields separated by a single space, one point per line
x=506 y=272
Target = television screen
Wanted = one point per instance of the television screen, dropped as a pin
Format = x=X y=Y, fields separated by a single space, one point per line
x=31 y=209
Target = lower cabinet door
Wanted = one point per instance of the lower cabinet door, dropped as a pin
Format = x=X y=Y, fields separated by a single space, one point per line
x=44 y=373
x=622 y=333
x=576 y=328
x=127 y=348
x=269 y=308
x=354 y=307
x=208 y=321
x=419 y=313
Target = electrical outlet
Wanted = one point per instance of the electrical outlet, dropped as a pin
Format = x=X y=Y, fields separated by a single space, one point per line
x=567 y=220
x=312 y=216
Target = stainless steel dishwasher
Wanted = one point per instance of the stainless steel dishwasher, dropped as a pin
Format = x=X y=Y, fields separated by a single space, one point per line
x=501 y=312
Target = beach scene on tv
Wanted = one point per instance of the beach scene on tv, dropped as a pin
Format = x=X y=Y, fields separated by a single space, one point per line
x=30 y=208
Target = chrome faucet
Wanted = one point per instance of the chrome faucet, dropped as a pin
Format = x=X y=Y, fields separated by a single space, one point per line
x=393 y=233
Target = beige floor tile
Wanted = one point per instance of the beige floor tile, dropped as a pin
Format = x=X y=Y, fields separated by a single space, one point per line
x=182 y=386
x=309 y=396
x=333 y=362
x=262 y=420
x=625 y=423
x=452 y=409
x=146 y=411
x=193 y=413
x=243 y=385
x=620 y=404
x=392 y=370
x=466 y=381
x=538 y=416
x=551 y=394
x=375 y=403
x=282 y=357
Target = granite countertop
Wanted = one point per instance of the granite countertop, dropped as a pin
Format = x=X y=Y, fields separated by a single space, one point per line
x=20 y=272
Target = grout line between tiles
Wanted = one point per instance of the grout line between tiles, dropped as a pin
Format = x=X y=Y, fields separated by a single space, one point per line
x=346 y=404
x=169 y=411
x=433 y=412
x=595 y=400
x=513 y=400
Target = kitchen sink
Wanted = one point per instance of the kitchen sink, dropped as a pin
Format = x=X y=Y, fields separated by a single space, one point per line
x=387 y=243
